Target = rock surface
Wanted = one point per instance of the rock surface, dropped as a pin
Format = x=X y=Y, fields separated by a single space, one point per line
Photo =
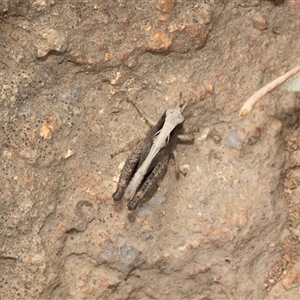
x=228 y=229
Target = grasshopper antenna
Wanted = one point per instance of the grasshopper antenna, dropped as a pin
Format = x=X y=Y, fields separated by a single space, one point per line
x=183 y=103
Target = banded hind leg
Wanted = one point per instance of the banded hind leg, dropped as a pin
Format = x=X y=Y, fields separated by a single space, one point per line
x=127 y=172
x=149 y=183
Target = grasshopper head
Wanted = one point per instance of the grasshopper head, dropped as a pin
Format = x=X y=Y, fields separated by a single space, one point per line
x=174 y=116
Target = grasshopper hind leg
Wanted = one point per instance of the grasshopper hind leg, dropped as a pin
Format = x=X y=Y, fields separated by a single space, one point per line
x=128 y=170
x=149 y=183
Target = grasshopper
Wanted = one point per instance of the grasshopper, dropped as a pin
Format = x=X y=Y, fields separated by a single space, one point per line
x=147 y=163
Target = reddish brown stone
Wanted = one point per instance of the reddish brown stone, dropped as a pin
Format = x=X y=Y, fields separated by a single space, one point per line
x=189 y=37
x=158 y=41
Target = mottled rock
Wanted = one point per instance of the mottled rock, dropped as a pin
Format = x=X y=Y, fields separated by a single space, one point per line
x=120 y=256
x=292 y=279
x=292 y=179
x=52 y=40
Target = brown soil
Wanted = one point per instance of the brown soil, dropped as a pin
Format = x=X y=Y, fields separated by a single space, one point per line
x=229 y=229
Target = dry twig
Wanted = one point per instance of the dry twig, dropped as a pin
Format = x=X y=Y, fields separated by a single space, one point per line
x=249 y=104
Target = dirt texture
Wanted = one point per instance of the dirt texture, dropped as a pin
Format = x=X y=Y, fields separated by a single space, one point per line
x=228 y=229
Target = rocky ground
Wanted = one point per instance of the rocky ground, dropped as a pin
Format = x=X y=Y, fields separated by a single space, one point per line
x=229 y=228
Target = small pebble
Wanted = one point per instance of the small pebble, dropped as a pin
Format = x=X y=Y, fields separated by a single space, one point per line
x=73 y=92
x=206 y=16
x=232 y=139
x=131 y=62
x=295 y=158
x=275 y=127
x=204 y=134
x=69 y=153
x=184 y=169
x=117 y=79
x=157 y=199
x=84 y=211
x=81 y=226
x=165 y=6
x=259 y=22
x=277 y=30
x=46 y=130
